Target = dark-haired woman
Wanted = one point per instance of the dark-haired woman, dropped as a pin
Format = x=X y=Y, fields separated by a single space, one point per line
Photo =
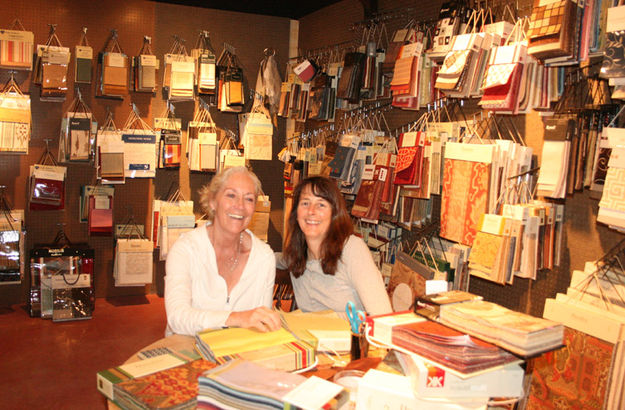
x=329 y=265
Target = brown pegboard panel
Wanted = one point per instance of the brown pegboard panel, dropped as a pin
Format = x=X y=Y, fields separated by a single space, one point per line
x=133 y=19
x=250 y=35
x=330 y=25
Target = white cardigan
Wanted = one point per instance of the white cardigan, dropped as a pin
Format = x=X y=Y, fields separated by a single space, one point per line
x=196 y=296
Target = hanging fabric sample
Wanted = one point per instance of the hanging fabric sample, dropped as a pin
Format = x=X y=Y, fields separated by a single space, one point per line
x=51 y=68
x=110 y=153
x=552 y=29
x=100 y=212
x=78 y=133
x=113 y=65
x=448 y=25
x=133 y=264
x=552 y=179
x=47 y=184
x=140 y=147
x=144 y=68
x=368 y=201
x=15 y=119
x=612 y=204
x=206 y=69
x=202 y=144
x=231 y=93
x=465 y=193
x=410 y=159
x=16 y=47
x=351 y=78
x=170 y=143
x=257 y=133
x=83 y=60
x=175 y=217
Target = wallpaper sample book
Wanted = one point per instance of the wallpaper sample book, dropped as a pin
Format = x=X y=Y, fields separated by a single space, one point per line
x=449 y=348
x=520 y=333
x=173 y=389
x=277 y=350
x=240 y=384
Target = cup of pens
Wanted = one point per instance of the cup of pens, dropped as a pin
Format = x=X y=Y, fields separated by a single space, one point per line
x=360 y=345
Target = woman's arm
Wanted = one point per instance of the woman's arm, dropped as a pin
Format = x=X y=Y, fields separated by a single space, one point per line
x=182 y=317
x=263 y=318
x=366 y=277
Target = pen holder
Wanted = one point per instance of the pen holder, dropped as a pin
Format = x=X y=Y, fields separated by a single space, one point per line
x=360 y=346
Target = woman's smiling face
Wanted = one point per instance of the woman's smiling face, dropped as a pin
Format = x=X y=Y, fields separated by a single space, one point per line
x=235 y=203
x=314 y=215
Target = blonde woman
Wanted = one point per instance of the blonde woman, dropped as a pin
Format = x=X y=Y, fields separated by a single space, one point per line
x=220 y=274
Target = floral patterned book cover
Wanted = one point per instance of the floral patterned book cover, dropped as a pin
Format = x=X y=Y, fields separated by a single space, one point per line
x=174 y=388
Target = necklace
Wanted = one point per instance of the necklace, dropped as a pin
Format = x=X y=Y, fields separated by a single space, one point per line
x=234 y=260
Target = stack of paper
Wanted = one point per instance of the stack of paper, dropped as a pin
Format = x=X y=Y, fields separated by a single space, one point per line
x=520 y=333
x=275 y=350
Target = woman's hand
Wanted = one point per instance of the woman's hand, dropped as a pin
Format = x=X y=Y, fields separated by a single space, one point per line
x=260 y=318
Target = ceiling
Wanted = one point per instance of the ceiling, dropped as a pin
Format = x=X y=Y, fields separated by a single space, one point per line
x=294 y=9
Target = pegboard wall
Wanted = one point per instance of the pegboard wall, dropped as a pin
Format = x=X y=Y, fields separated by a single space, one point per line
x=133 y=19
x=584 y=239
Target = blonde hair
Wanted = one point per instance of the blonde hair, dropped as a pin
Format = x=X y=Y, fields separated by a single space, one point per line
x=209 y=191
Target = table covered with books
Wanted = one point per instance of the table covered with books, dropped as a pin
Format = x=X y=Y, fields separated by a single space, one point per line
x=412 y=361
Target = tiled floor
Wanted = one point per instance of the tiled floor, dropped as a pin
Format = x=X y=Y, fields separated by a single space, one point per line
x=46 y=365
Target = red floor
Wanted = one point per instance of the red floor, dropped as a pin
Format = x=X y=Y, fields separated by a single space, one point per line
x=46 y=365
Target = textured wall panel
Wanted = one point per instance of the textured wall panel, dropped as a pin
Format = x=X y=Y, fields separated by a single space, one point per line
x=133 y=19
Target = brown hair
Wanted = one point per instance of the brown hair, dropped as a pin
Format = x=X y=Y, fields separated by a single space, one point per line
x=209 y=191
x=296 y=249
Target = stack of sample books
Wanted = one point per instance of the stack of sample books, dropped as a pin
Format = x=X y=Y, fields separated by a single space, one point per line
x=131 y=374
x=173 y=389
x=449 y=348
x=517 y=332
x=429 y=306
x=325 y=330
x=275 y=350
x=240 y=384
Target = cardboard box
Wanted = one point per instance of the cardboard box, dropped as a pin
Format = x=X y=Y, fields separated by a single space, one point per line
x=382 y=390
x=382 y=326
x=428 y=380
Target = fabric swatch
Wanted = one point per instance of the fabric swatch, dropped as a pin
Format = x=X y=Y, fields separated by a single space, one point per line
x=574 y=377
x=464 y=199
